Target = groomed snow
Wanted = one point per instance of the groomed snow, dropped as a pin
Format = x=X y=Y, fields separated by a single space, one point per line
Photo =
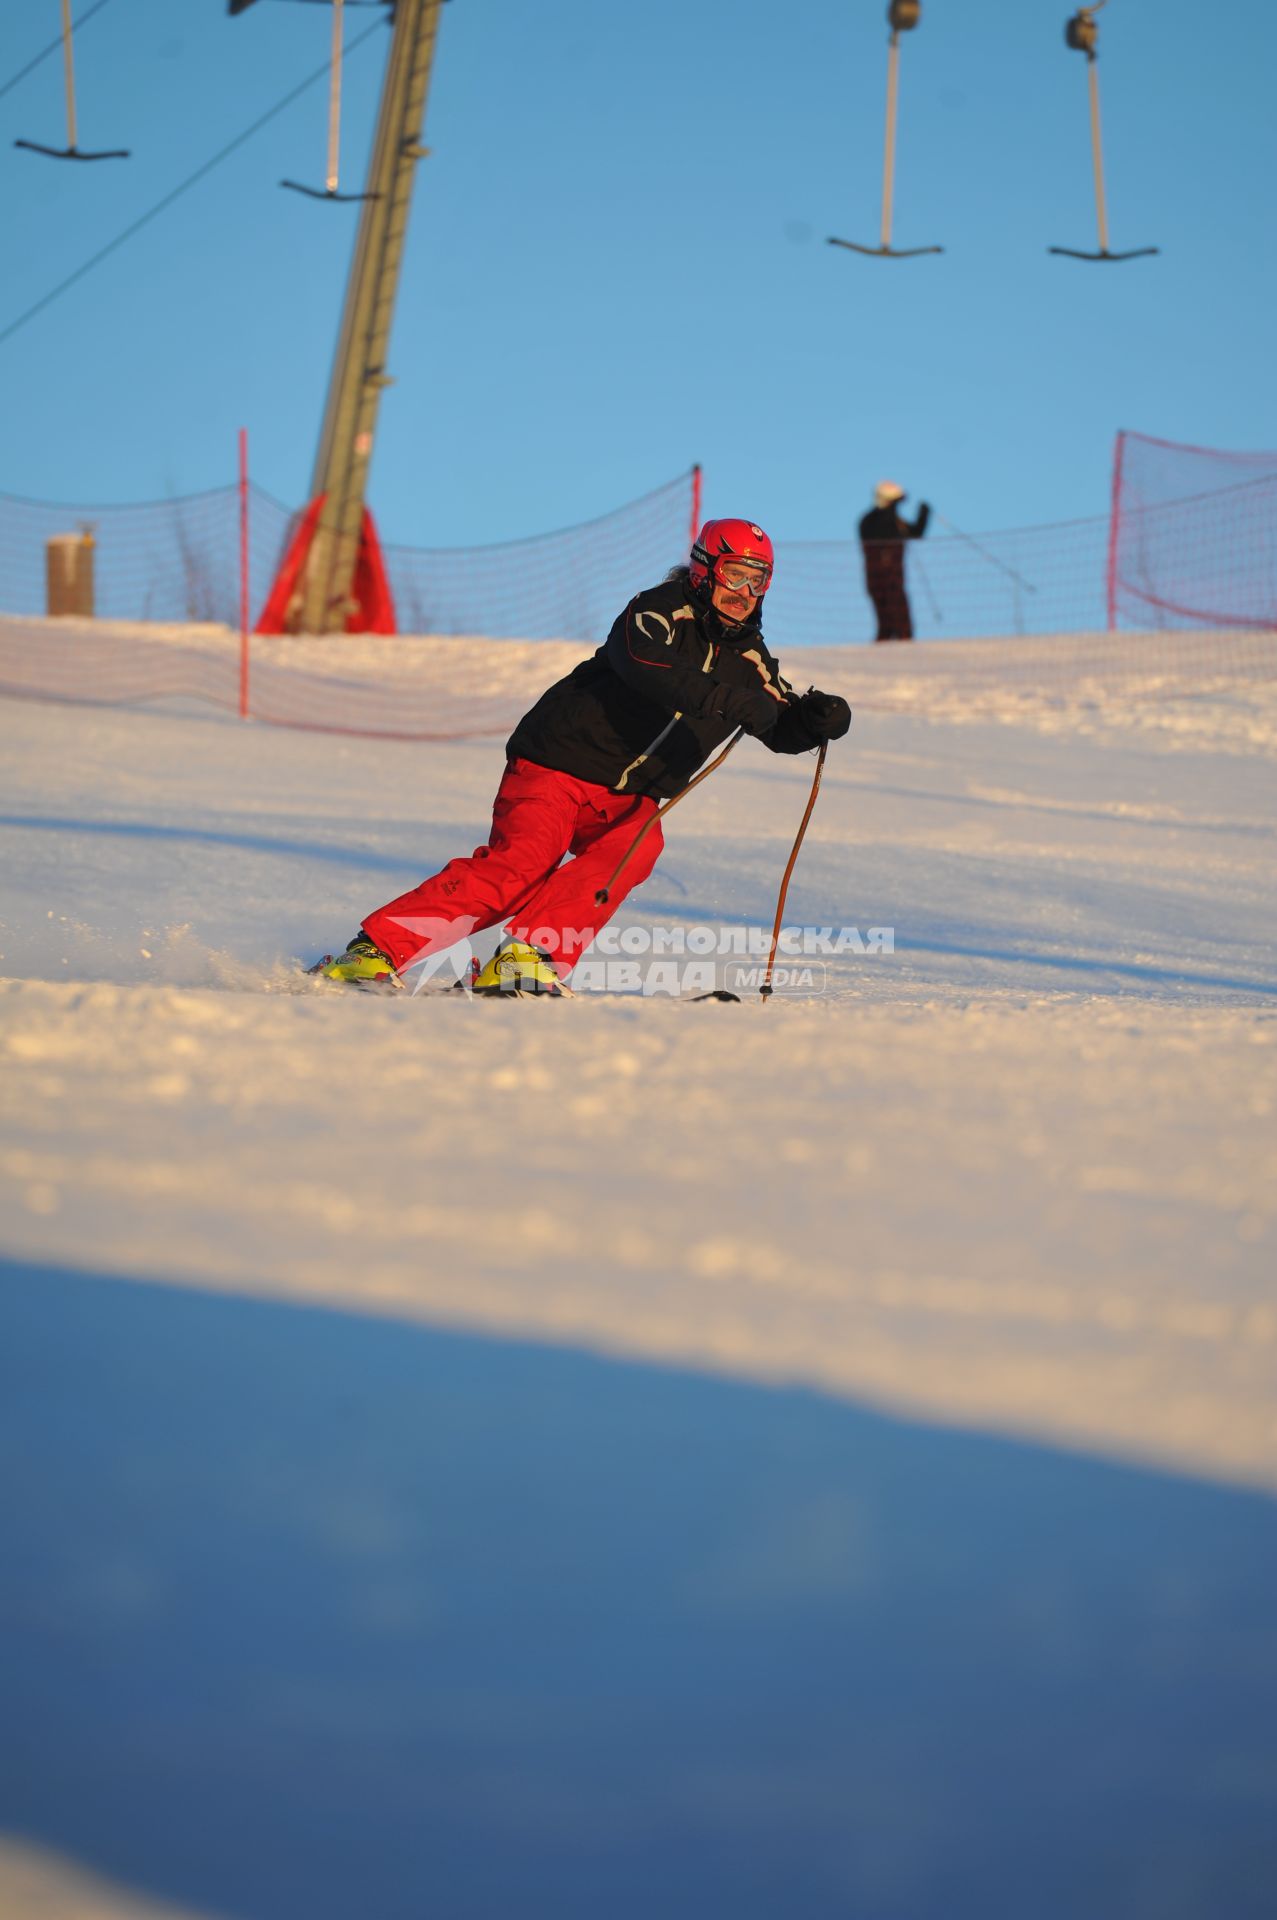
x=1019 y=1173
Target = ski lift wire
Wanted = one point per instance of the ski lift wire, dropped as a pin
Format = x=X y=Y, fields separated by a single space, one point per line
x=177 y=192
x=922 y=574
x=52 y=47
x=992 y=558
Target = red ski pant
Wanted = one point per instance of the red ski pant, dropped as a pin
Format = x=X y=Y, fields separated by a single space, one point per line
x=537 y=817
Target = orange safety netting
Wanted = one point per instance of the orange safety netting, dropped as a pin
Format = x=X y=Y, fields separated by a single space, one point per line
x=179 y=560
x=1193 y=536
x=458 y=689
x=1191 y=540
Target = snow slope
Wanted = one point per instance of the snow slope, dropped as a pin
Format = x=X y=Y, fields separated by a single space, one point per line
x=627 y=1456
x=1038 y=1134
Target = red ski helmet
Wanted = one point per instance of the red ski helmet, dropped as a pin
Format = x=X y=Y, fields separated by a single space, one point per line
x=722 y=542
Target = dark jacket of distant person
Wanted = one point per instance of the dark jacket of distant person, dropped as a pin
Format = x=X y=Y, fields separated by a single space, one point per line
x=883 y=531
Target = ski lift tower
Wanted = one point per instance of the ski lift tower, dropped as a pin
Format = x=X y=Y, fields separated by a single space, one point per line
x=321 y=601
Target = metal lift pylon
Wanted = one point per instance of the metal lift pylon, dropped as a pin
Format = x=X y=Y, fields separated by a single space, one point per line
x=335 y=549
x=359 y=374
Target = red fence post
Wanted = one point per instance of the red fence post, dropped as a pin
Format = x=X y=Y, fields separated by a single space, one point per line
x=696 y=503
x=1115 y=517
x=243 y=573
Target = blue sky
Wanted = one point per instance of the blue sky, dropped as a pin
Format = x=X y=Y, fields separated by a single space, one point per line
x=617 y=265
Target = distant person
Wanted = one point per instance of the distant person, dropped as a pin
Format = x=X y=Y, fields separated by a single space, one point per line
x=684 y=666
x=883 y=532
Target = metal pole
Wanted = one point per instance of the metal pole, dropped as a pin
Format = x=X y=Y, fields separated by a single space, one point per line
x=936 y=612
x=1115 y=521
x=359 y=375
x=68 y=61
x=889 y=152
x=992 y=558
x=1097 y=155
x=243 y=573
x=334 y=101
x=696 y=503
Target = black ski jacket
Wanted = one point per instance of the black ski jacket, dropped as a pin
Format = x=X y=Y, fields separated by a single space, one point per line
x=888 y=523
x=883 y=531
x=665 y=689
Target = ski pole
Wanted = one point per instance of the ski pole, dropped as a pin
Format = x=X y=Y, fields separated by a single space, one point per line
x=921 y=572
x=766 y=987
x=992 y=558
x=601 y=897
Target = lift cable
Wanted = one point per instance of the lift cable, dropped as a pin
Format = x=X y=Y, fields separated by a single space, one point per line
x=177 y=192
x=54 y=46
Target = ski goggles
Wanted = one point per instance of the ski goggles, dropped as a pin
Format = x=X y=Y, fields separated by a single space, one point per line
x=742 y=576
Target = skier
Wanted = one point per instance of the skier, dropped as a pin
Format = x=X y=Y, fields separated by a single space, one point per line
x=683 y=667
x=883 y=532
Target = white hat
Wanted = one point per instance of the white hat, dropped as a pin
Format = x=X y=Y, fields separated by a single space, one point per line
x=886 y=493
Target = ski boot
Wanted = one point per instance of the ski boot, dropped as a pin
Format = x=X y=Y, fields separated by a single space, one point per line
x=362 y=965
x=517 y=967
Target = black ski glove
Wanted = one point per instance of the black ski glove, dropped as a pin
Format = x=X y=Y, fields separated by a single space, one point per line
x=826 y=716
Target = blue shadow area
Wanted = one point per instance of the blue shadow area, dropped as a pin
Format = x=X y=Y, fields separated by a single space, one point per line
x=1094 y=970
x=307 y=1616
x=1093 y=966
x=308 y=849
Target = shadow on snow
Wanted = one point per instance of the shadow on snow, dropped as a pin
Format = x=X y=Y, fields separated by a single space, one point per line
x=308 y=1616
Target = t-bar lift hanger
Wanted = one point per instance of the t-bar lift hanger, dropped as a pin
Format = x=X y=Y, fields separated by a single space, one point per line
x=71 y=151
x=1082 y=34
x=902 y=17
x=329 y=189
